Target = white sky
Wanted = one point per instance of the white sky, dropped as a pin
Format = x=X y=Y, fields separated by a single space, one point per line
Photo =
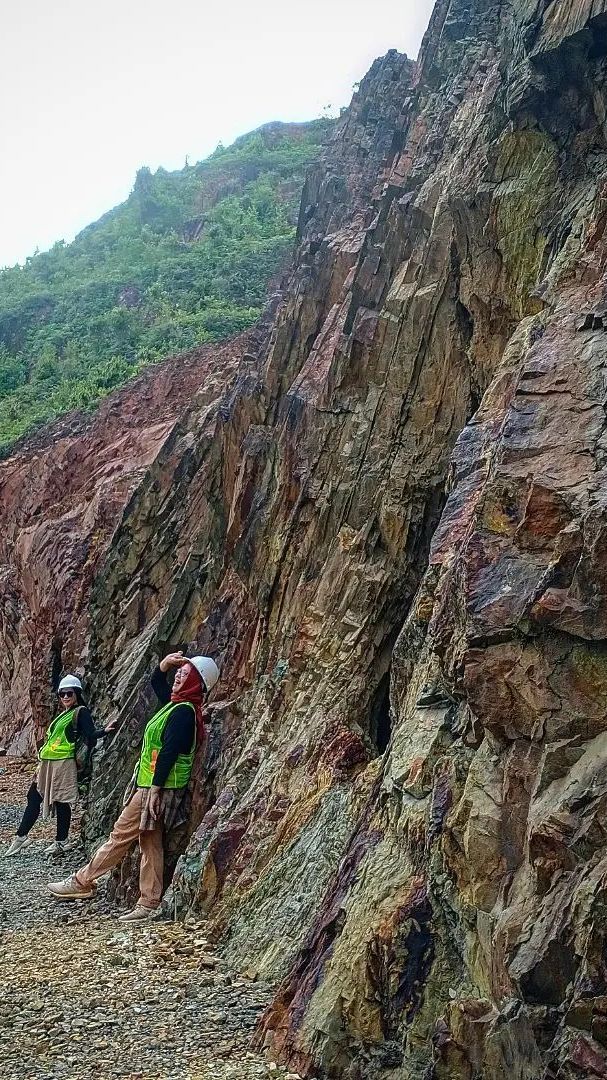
x=90 y=91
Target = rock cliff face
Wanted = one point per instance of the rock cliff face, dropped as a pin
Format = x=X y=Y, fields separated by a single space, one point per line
x=390 y=532
x=62 y=495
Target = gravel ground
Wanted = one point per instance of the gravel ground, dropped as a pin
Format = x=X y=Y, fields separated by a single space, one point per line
x=84 y=997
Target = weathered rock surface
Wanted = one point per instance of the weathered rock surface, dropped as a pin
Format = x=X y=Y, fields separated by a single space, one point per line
x=463 y=934
x=62 y=494
x=404 y=489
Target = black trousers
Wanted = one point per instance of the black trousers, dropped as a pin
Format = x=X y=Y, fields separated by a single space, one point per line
x=31 y=814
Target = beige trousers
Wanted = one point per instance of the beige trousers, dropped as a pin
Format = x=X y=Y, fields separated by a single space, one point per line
x=124 y=834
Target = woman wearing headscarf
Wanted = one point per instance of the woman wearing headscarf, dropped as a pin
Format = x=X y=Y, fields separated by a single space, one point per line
x=158 y=798
x=54 y=791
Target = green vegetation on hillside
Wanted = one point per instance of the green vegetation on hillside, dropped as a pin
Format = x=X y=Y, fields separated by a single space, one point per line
x=187 y=259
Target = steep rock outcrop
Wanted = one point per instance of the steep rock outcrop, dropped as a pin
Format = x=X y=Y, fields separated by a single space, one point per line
x=390 y=533
x=62 y=494
x=448 y=243
x=462 y=935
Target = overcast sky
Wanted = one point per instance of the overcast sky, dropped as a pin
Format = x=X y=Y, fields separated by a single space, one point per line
x=90 y=91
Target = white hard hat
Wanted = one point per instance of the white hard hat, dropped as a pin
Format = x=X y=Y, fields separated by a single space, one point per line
x=70 y=682
x=207 y=669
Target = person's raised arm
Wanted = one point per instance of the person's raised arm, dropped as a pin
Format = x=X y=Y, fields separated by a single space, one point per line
x=160 y=683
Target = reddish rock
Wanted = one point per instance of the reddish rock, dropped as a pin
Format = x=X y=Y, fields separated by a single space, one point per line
x=390 y=533
x=63 y=493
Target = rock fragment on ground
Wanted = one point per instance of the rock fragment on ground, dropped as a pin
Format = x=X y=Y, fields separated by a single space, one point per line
x=86 y=997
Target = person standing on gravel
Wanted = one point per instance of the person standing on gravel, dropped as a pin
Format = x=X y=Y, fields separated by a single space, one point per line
x=158 y=797
x=54 y=790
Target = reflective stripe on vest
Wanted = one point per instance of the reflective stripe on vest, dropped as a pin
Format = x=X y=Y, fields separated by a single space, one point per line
x=57 y=746
x=152 y=742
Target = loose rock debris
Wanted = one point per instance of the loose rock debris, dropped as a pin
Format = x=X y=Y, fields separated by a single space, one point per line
x=84 y=997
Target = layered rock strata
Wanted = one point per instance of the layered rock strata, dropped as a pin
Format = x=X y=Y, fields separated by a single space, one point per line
x=390 y=534
x=62 y=494
x=463 y=933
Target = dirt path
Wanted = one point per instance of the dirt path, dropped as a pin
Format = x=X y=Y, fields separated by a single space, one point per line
x=84 y=997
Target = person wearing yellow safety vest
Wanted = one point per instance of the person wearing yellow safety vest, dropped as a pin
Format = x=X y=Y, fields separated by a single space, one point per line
x=157 y=798
x=55 y=787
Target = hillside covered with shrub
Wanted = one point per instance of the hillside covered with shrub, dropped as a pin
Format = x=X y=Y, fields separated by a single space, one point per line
x=187 y=259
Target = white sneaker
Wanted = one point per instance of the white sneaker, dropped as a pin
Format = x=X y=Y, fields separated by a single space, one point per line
x=71 y=889
x=139 y=914
x=16 y=845
x=59 y=847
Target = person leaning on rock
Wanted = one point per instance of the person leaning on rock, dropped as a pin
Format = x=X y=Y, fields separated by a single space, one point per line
x=54 y=790
x=158 y=797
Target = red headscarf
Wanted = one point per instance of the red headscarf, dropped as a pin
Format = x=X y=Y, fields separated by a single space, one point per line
x=192 y=690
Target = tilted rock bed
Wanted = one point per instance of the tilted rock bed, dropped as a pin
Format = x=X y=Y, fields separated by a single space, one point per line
x=387 y=523
x=84 y=996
